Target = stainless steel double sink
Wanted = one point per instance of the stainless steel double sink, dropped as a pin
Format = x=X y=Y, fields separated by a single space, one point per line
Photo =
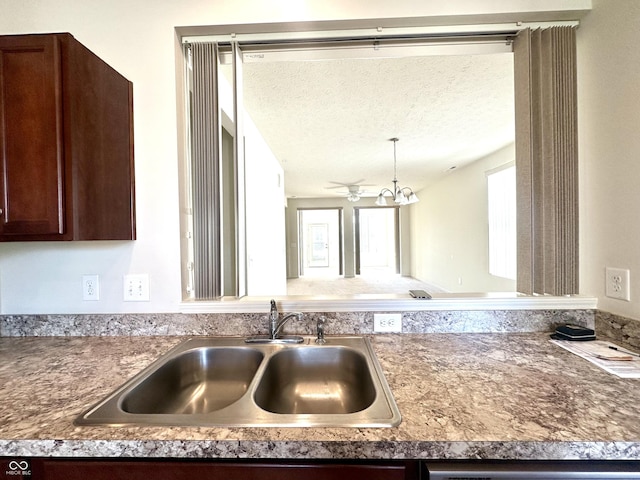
x=222 y=381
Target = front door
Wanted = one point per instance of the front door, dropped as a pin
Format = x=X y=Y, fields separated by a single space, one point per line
x=320 y=241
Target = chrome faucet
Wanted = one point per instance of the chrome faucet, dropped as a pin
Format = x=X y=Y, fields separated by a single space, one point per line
x=320 y=331
x=275 y=327
x=275 y=323
x=273 y=320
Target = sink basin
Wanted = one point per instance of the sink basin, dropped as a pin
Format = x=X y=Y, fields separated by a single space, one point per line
x=221 y=381
x=202 y=380
x=320 y=380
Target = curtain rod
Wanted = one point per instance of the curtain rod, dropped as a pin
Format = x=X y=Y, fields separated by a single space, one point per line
x=378 y=32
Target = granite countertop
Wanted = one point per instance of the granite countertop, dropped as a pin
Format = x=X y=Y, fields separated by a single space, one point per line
x=467 y=395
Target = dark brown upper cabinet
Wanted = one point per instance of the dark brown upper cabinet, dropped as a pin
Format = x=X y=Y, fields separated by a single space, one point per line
x=66 y=143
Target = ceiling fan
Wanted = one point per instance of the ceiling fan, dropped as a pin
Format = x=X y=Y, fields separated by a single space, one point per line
x=354 y=191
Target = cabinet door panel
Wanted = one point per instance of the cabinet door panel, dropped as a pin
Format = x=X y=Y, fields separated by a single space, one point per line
x=31 y=150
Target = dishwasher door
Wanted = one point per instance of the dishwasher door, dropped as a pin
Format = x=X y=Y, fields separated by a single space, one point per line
x=531 y=470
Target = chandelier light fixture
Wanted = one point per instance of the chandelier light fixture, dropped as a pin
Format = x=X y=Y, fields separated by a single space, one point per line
x=401 y=195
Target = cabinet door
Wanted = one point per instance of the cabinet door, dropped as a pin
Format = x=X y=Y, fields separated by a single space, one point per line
x=31 y=149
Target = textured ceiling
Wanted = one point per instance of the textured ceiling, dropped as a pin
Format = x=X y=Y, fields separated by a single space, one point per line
x=331 y=121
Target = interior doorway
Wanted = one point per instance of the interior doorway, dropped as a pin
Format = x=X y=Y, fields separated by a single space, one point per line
x=320 y=242
x=377 y=238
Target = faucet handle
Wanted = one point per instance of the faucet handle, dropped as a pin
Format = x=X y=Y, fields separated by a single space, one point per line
x=320 y=330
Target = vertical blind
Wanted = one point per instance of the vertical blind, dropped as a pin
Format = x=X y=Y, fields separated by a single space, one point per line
x=205 y=174
x=547 y=161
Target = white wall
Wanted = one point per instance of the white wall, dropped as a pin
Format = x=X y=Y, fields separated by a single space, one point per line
x=265 y=207
x=137 y=38
x=609 y=126
x=449 y=230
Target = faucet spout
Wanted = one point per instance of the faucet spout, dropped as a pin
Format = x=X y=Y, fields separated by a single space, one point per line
x=279 y=325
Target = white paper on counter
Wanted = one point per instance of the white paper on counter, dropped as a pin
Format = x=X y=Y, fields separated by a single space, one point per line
x=590 y=349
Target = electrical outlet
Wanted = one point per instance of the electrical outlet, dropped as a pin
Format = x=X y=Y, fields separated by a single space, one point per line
x=136 y=288
x=387 y=322
x=90 y=287
x=617 y=283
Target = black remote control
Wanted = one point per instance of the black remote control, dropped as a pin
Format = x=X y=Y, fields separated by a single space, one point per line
x=419 y=294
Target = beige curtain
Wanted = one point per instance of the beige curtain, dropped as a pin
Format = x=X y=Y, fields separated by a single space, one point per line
x=547 y=161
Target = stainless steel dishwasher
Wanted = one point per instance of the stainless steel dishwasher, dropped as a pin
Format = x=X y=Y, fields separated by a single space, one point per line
x=531 y=470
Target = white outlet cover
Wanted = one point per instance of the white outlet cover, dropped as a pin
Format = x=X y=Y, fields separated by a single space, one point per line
x=136 y=288
x=617 y=283
x=387 y=322
x=90 y=288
